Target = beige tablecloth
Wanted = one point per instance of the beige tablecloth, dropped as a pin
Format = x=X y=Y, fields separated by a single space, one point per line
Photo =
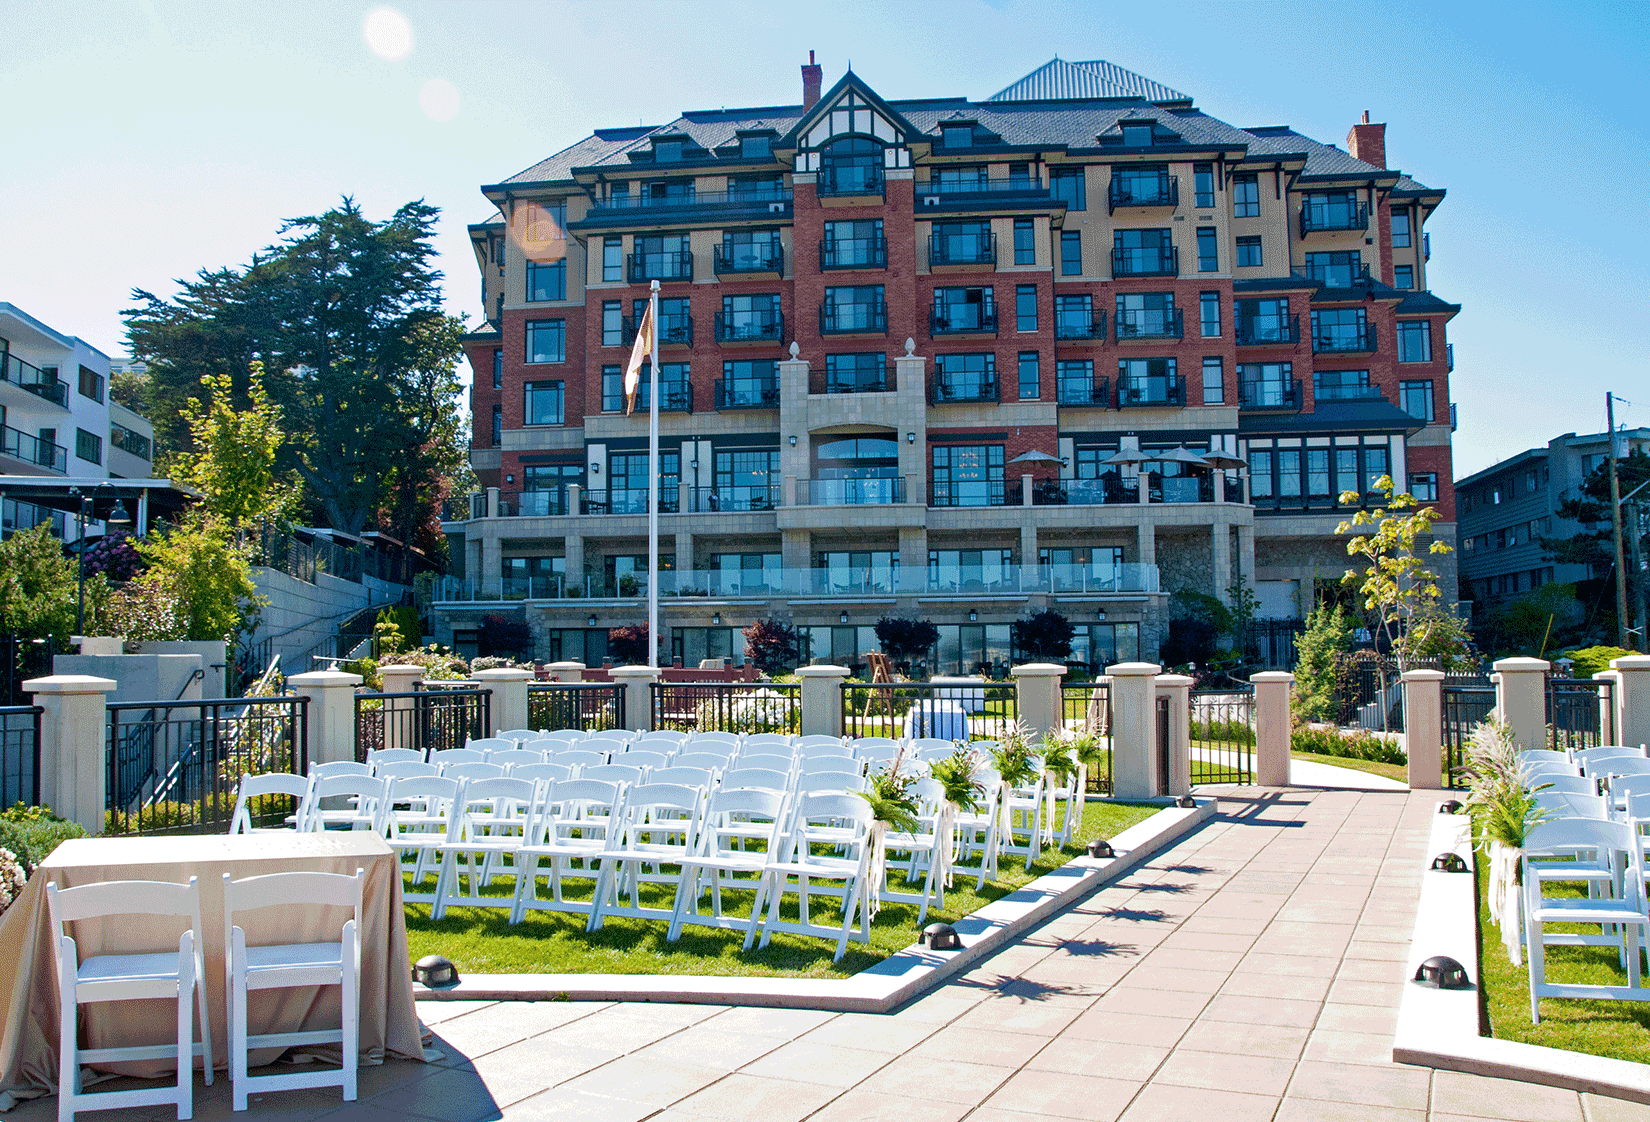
x=389 y=1022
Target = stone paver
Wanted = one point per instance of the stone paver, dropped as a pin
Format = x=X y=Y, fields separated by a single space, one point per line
x=1252 y=971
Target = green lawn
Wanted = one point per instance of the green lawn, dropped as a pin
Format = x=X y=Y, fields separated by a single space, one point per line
x=1400 y=772
x=482 y=940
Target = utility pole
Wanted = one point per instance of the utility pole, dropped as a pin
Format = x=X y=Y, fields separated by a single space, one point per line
x=1615 y=523
x=1640 y=587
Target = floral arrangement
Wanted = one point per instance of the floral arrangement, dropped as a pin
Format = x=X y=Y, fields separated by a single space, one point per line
x=12 y=879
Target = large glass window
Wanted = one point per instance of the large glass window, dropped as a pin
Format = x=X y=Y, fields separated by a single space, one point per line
x=546 y=340
x=854 y=470
x=1246 y=195
x=968 y=570
x=1146 y=315
x=544 y=403
x=1071 y=253
x=1074 y=316
x=1423 y=485
x=1214 y=380
x=1403 y=276
x=973 y=648
x=1081 y=568
x=1266 y=384
x=612 y=259
x=1340 y=329
x=547 y=280
x=964 y=309
x=1263 y=321
x=1332 y=210
x=1400 y=229
x=1142 y=252
x=88 y=446
x=962 y=243
x=675 y=388
x=856 y=373
x=965 y=378
x=91 y=384
x=626 y=573
x=612 y=323
x=748 y=383
x=746 y=479
x=1029 y=376
x=852 y=165
x=752 y=250
x=851 y=244
x=1249 y=252
x=1025 y=307
x=1340 y=269
x=844 y=571
x=1074 y=382
x=750 y=316
x=1414 y=341
x=1025 y=241
x=1148 y=381
x=1415 y=398
x=1099 y=645
x=533 y=578
x=1340 y=385
x=964 y=177
x=737 y=573
x=628 y=477
x=1203 y=180
x=968 y=474
x=546 y=222
x=1209 y=314
x=1291 y=475
x=859 y=307
x=1070 y=186
x=1140 y=184
x=544 y=487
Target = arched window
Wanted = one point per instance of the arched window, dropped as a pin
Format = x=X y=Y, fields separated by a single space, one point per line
x=852 y=165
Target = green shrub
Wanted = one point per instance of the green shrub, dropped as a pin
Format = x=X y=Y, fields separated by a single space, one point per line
x=32 y=832
x=1593 y=660
x=1352 y=746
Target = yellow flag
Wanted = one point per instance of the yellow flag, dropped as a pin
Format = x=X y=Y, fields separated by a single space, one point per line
x=639 y=353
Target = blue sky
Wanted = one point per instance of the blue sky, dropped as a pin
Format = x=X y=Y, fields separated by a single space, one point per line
x=146 y=139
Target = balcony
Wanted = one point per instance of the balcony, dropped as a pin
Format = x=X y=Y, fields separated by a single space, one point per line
x=981 y=194
x=1348 y=393
x=1273 y=332
x=1093 y=393
x=1449 y=356
x=628 y=500
x=1165 y=192
x=671 y=265
x=973 y=492
x=1080 y=326
x=1115 y=491
x=969 y=251
x=675 y=396
x=129 y=441
x=850 y=181
x=1333 y=219
x=1339 y=276
x=1282 y=397
x=963 y=319
x=532 y=504
x=1150 y=391
x=880 y=380
x=962 y=390
x=854 y=253
x=33 y=451
x=1153 y=324
x=674 y=330
x=750 y=202
x=747 y=261
x=747 y=393
x=734 y=498
x=35 y=381
x=1357 y=339
x=850 y=492
x=853 y=319
x=750 y=327
x=1164 y=262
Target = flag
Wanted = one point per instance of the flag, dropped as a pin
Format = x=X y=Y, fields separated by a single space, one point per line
x=639 y=352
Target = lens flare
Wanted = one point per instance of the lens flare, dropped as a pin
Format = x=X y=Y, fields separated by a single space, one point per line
x=388 y=34
x=439 y=99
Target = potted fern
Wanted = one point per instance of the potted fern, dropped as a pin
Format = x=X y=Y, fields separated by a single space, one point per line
x=1502 y=801
x=893 y=807
x=961 y=792
x=1064 y=766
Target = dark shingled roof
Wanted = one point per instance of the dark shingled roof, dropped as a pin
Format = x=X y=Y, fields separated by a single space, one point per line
x=1333 y=416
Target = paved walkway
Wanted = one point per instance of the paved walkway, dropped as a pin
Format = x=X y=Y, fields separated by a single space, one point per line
x=1250 y=972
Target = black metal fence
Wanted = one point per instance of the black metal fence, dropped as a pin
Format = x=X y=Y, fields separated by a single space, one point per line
x=425 y=720
x=173 y=766
x=589 y=706
x=1271 y=642
x=1222 y=736
x=739 y=707
x=1085 y=711
x=22 y=659
x=20 y=755
x=1465 y=707
x=1580 y=713
x=949 y=711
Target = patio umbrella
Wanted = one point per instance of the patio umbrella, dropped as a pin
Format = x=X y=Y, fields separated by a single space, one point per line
x=1035 y=456
x=1184 y=455
x=1128 y=456
x=1223 y=460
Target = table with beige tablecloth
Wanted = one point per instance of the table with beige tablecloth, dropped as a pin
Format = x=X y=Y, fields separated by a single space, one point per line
x=389 y=1021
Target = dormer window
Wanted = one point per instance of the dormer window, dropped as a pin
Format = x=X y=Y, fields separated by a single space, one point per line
x=1137 y=135
x=957 y=136
x=755 y=147
x=667 y=151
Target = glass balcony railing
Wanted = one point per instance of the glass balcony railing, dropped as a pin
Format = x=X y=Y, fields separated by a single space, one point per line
x=850 y=492
x=969 y=492
x=33 y=451
x=850 y=179
x=854 y=253
x=1349 y=339
x=750 y=327
x=764 y=197
x=1339 y=276
x=735 y=498
x=34 y=380
x=1152 y=323
x=963 y=319
x=853 y=319
x=936 y=193
x=747 y=393
x=1083 y=391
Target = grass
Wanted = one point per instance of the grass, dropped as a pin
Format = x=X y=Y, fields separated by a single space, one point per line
x=482 y=940
x=1615 y=1029
x=1400 y=772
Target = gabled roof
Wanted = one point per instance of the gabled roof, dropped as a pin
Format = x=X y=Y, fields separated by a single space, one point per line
x=1059 y=79
x=828 y=100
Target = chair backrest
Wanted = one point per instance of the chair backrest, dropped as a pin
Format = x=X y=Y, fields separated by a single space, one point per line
x=654 y=808
x=831 y=781
x=369 y=791
x=563 y=736
x=831 y=765
x=123 y=898
x=607 y=737
x=339 y=767
x=635 y=758
x=684 y=776
x=515 y=757
x=1560 y=804
x=1638 y=809
x=1620 y=765
x=1626 y=786
x=489 y=744
x=473 y=771
x=777 y=743
x=711 y=741
x=422 y=789
x=875 y=748
x=829 y=810
x=763 y=778
x=1585 y=756
x=424 y=803
x=819 y=745
x=711 y=761
x=931 y=748
x=744 y=806
x=929 y=793
x=290 y=890
x=404 y=768
x=1567 y=784
x=518 y=735
x=378 y=756
x=613 y=773
x=579 y=757
x=657 y=740
x=576 y=798
x=459 y=756
x=513 y=800
x=1562 y=836
x=256 y=786
x=546 y=772
x=1559 y=766
x=746 y=761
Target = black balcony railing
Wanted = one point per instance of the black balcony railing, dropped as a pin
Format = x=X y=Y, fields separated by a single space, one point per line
x=1353 y=216
x=1125 y=193
x=1339 y=276
x=1094 y=392
x=854 y=253
x=969 y=492
x=1160 y=262
x=935 y=193
x=670 y=265
x=766 y=197
x=850 y=179
x=859 y=380
x=850 y=492
x=1157 y=390
x=970 y=249
x=33 y=450
x=739 y=497
x=629 y=500
x=963 y=319
x=674 y=330
x=675 y=396
x=737 y=260
x=1080 y=325
x=747 y=393
x=1139 y=323
x=35 y=380
x=1267 y=333
x=1348 y=393
x=750 y=327
x=1343 y=340
x=1270 y=395
x=952 y=390
x=129 y=441
x=850 y=319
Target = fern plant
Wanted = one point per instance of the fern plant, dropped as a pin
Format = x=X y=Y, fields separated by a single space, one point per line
x=955 y=773
x=892 y=802
x=1060 y=758
x=1012 y=757
x=1501 y=791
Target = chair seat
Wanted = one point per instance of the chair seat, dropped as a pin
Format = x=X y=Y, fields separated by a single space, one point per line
x=281 y=956
x=1588 y=911
x=727 y=863
x=129 y=967
x=569 y=847
x=815 y=867
x=669 y=854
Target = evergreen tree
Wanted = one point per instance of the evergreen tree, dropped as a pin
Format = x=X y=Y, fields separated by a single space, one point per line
x=1328 y=636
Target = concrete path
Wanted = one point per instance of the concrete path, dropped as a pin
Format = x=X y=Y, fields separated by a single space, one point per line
x=1251 y=972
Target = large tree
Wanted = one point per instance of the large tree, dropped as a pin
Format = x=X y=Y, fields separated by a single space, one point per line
x=1595 y=545
x=344 y=313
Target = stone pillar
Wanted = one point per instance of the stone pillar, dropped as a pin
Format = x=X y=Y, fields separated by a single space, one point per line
x=1246 y=555
x=1038 y=698
x=508 y=707
x=331 y=714
x=794 y=546
x=572 y=552
x=913 y=548
x=1028 y=546
x=1520 y=698
x=491 y=583
x=638 y=696
x=1220 y=545
x=1272 y=726
x=575 y=498
x=1178 y=689
x=400 y=720
x=1424 y=728
x=1632 y=698
x=821 y=699
x=1146 y=536
x=492 y=502
x=684 y=505
x=684 y=557
x=566 y=671
x=1025 y=489
x=1134 y=770
x=74 y=737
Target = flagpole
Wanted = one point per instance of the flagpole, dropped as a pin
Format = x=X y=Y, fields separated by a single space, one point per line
x=653 y=487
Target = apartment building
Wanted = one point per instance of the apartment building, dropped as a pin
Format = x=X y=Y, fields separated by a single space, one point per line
x=1507 y=509
x=1079 y=345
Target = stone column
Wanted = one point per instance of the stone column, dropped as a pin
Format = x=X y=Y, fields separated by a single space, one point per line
x=1025 y=489
x=1038 y=698
x=74 y=737
x=572 y=552
x=684 y=554
x=1246 y=555
x=638 y=696
x=684 y=505
x=492 y=502
x=1220 y=545
x=1146 y=537
x=821 y=699
x=1028 y=546
x=1134 y=770
x=1520 y=698
x=1178 y=689
x=491 y=583
x=400 y=713
x=1424 y=728
x=1272 y=727
x=566 y=671
x=508 y=707
x=1632 y=699
x=331 y=714
x=913 y=547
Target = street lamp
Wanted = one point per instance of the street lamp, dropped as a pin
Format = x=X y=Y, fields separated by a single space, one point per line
x=118 y=518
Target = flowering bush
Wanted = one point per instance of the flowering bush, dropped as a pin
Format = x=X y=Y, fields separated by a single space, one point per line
x=114 y=557
x=12 y=879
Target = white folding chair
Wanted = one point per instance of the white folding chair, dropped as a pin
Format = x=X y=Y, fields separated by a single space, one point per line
x=1022 y=818
x=405 y=769
x=512 y=758
x=518 y=735
x=362 y=798
x=545 y=773
x=486 y=744
x=262 y=786
x=558 y=736
x=290 y=965
x=571 y=833
x=338 y=767
x=683 y=776
x=823 y=765
x=659 y=827
x=836 y=781
x=931 y=748
x=875 y=749
x=710 y=761
x=473 y=770
x=979 y=830
x=1612 y=766
x=635 y=758
x=712 y=742
x=419 y=821
x=834 y=814
x=608 y=740
x=175 y=977
x=928 y=847
x=494 y=820
x=378 y=756
x=768 y=743
x=664 y=740
x=1567 y=784
x=450 y=756
x=576 y=757
x=731 y=816
x=614 y=773
x=816 y=744
x=1064 y=803
x=762 y=779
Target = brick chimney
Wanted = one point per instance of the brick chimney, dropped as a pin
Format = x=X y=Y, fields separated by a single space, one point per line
x=812 y=76
x=1367 y=142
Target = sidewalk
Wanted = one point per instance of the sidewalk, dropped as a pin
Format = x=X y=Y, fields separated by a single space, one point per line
x=1250 y=972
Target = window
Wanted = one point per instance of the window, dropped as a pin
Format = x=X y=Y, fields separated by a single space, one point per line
x=91 y=384
x=667 y=151
x=1071 y=253
x=1340 y=329
x=751 y=572
x=544 y=403
x=748 y=383
x=546 y=340
x=1069 y=186
x=1266 y=384
x=1400 y=229
x=965 y=377
x=550 y=477
x=1143 y=253
x=1415 y=398
x=675 y=324
x=1147 y=315
x=1025 y=241
x=1414 y=340
x=1246 y=195
x=959 y=178
x=749 y=316
x=1140 y=184
x=1248 y=252
x=952 y=570
x=629 y=476
x=852 y=165
x=1137 y=135
x=1208 y=304
x=547 y=280
x=1214 y=380
x=1403 y=276
x=1424 y=486
x=88 y=446
x=662 y=257
x=612 y=323
x=546 y=222
x=847 y=244
x=1263 y=321
x=498 y=368
x=1341 y=385
x=854 y=308
x=533 y=577
x=1025 y=307
x=746 y=479
x=1203 y=184
x=1292 y=476
x=856 y=373
x=1333 y=210
x=1030 y=378
x=1148 y=381
x=968 y=475
x=752 y=250
x=846 y=571
x=498 y=425
x=675 y=392
x=129 y=441
x=1341 y=269
x=1074 y=316
x=1208 y=251
x=964 y=309
x=957 y=136
x=1530 y=478
x=962 y=243
x=1074 y=382
x=613 y=259
x=755 y=147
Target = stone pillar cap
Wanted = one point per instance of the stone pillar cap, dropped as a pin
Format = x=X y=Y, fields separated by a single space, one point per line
x=1422 y=675
x=824 y=670
x=634 y=671
x=1175 y=680
x=324 y=678
x=1133 y=669
x=1522 y=665
x=1272 y=676
x=70 y=683
x=504 y=674
x=1037 y=669
x=569 y=665
x=1631 y=662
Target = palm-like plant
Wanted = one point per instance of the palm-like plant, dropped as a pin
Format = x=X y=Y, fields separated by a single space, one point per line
x=1012 y=757
x=955 y=774
x=893 y=806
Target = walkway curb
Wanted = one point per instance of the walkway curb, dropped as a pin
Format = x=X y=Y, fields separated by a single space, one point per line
x=877 y=989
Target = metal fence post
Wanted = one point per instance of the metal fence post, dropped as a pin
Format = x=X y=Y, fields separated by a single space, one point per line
x=1424 y=728
x=74 y=739
x=822 y=699
x=1520 y=699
